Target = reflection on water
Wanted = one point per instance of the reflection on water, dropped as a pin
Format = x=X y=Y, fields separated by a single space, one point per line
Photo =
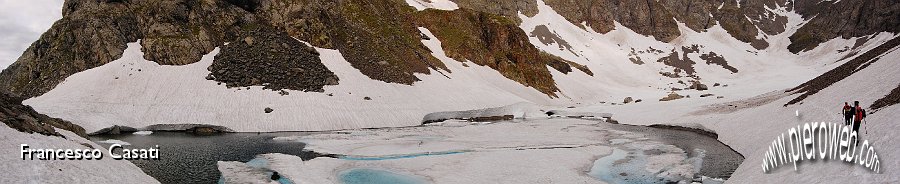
x=376 y=176
x=186 y=158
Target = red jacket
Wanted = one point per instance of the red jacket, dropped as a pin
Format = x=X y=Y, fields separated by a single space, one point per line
x=847 y=109
x=860 y=113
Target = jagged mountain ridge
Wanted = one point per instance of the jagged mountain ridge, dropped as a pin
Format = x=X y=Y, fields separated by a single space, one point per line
x=326 y=65
x=380 y=39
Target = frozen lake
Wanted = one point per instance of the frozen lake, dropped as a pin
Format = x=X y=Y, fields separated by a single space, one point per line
x=605 y=152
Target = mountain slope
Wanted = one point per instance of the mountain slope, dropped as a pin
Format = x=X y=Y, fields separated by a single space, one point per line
x=358 y=64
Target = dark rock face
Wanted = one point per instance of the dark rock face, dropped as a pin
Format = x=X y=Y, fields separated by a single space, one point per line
x=272 y=59
x=507 y=8
x=25 y=119
x=379 y=37
x=248 y=5
x=846 y=18
x=494 y=41
x=657 y=18
x=841 y=72
x=93 y=33
x=644 y=17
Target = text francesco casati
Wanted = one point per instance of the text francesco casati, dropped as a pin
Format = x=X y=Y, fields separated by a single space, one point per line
x=28 y=153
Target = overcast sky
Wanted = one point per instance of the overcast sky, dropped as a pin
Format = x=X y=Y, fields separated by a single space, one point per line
x=22 y=22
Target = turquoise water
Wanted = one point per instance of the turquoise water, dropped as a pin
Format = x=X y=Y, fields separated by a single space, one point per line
x=391 y=157
x=375 y=176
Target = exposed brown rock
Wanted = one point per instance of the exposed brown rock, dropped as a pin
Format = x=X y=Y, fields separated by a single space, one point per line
x=698 y=86
x=841 y=72
x=890 y=99
x=713 y=58
x=543 y=34
x=493 y=41
x=508 y=8
x=378 y=37
x=93 y=33
x=671 y=96
x=23 y=118
x=681 y=61
x=644 y=17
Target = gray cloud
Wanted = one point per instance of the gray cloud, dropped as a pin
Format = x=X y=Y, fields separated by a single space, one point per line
x=22 y=22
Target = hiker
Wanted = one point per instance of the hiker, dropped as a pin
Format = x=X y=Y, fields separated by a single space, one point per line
x=858 y=115
x=847 y=115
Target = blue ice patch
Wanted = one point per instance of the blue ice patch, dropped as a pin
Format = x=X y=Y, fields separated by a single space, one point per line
x=374 y=176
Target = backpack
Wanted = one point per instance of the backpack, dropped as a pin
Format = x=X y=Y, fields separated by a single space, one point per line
x=860 y=113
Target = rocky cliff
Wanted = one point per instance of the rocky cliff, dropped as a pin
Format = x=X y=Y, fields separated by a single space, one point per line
x=379 y=37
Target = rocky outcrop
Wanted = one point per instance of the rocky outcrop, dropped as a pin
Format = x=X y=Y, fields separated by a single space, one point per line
x=494 y=41
x=658 y=18
x=378 y=37
x=272 y=59
x=841 y=72
x=671 y=96
x=680 y=61
x=644 y=17
x=846 y=19
x=93 y=33
x=114 y=130
x=23 y=118
x=508 y=8
x=381 y=39
x=890 y=99
x=713 y=58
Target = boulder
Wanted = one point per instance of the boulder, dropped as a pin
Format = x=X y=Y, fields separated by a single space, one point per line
x=672 y=96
